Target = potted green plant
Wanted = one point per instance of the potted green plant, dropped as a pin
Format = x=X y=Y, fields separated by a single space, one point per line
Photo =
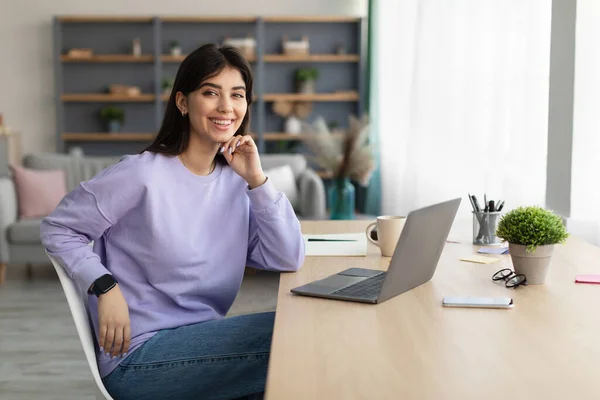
x=167 y=86
x=531 y=233
x=113 y=117
x=175 y=48
x=305 y=79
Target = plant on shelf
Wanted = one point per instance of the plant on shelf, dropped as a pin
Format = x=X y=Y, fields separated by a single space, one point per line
x=306 y=79
x=167 y=86
x=531 y=233
x=346 y=160
x=175 y=48
x=113 y=117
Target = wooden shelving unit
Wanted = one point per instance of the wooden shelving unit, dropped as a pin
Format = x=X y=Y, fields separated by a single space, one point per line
x=311 y=58
x=311 y=18
x=108 y=58
x=342 y=96
x=98 y=97
x=95 y=19
x=337 y=45
x=177 y=59
x=207 y=19
x=272 y=136
x=107 y=137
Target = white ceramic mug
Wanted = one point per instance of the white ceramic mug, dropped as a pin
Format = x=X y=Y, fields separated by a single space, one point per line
x=389 y=228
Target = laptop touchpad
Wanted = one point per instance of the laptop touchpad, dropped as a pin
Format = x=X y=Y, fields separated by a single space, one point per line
x=338 y=281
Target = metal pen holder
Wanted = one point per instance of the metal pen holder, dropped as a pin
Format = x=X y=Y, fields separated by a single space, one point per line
x=484 y=227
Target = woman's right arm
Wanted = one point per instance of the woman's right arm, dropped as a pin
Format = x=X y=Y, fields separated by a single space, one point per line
x=82 y=216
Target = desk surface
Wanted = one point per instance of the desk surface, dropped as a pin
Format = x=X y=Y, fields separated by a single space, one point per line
x=411 y=347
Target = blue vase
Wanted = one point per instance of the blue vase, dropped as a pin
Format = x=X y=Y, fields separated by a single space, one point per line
x=341 y=197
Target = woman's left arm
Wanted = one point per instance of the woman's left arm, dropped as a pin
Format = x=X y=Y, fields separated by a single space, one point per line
x=275 y=240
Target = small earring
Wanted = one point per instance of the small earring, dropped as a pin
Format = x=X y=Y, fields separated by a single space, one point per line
x=183 y=113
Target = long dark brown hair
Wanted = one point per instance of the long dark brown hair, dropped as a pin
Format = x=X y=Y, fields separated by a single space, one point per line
x=200 y=65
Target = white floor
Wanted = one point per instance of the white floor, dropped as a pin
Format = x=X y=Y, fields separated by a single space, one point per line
x=40 y=354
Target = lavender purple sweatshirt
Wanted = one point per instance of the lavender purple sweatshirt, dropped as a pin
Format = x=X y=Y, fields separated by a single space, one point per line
x=176 y=242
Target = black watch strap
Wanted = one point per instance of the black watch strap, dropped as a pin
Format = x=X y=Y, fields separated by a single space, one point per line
x=103 y=284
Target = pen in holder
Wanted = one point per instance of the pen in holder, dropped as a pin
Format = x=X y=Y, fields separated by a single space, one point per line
x=484 y=227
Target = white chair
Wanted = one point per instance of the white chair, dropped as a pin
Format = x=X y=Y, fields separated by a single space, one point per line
x=78 y=304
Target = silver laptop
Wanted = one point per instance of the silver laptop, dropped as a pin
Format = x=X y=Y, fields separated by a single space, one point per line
x=413 y=263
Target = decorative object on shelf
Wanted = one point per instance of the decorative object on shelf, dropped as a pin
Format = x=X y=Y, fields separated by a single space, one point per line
x=80 y=53
x=295 y=47
x=137 y=47
x=175 y=48
x=306 y=79
x=124 y=90
x=531 y=233
x=340 y=50
x=246 y=46
x=167 y=86
x=348 y=160
x=294 y=112
x=76 y=151
x=113 y=117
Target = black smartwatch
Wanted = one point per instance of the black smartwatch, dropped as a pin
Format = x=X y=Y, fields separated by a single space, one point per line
x=103 y=284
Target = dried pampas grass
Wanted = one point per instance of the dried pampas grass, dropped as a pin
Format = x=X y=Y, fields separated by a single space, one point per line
x=351 y=157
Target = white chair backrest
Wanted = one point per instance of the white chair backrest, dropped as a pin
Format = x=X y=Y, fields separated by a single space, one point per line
x=78 y=304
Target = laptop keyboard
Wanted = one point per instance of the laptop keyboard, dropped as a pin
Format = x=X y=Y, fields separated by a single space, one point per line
x=367 y=289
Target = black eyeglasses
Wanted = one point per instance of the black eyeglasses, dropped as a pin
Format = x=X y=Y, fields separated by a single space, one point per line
x=511 y=280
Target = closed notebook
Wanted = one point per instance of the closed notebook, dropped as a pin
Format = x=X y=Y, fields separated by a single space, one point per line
x=340 y=245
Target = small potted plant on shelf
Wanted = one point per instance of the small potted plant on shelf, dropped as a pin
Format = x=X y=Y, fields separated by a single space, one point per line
x=167 y=86
x=113 y=117
x=305 y=79
x=531 y=233
x=175 y=48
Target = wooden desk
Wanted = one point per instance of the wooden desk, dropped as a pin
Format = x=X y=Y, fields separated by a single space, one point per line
x=411 y=347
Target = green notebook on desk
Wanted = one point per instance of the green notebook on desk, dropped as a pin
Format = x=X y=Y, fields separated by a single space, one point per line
x=336 y=245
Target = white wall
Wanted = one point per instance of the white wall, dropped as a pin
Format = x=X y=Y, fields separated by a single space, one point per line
x=26 y=75
x=585 y=169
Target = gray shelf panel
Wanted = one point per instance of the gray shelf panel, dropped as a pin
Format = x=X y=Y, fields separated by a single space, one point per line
x=323 y=37
x=95 y=78
x=84 y=117
x=280 y=78
x=107 y=38
x=192 y=35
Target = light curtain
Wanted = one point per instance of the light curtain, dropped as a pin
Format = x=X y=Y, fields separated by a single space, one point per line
x=462 y=100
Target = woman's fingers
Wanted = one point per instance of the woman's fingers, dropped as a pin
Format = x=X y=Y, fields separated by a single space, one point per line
x=110 y=338
x=102 y=337
x=235 y=142
x=126 y=339
x=118 y=342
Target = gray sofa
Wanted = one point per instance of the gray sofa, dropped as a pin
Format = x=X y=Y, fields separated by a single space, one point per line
x=20 y=239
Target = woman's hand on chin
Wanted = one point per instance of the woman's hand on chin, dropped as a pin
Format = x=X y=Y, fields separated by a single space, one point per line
x=241 y=154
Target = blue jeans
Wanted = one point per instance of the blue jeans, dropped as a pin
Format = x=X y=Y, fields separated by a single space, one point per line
x=220 y=359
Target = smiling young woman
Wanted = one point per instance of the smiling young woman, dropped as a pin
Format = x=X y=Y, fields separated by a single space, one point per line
x=174 y=228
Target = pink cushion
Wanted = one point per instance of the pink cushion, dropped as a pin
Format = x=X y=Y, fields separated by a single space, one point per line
x=38 y=191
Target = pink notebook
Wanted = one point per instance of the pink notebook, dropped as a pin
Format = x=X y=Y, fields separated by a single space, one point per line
x=587 y=279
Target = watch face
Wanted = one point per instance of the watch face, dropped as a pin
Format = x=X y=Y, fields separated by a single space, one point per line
x=103 y=284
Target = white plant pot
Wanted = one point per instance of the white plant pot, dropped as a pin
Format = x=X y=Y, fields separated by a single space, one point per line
x=293 y=125
x=533 y=265
x=176 y=51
